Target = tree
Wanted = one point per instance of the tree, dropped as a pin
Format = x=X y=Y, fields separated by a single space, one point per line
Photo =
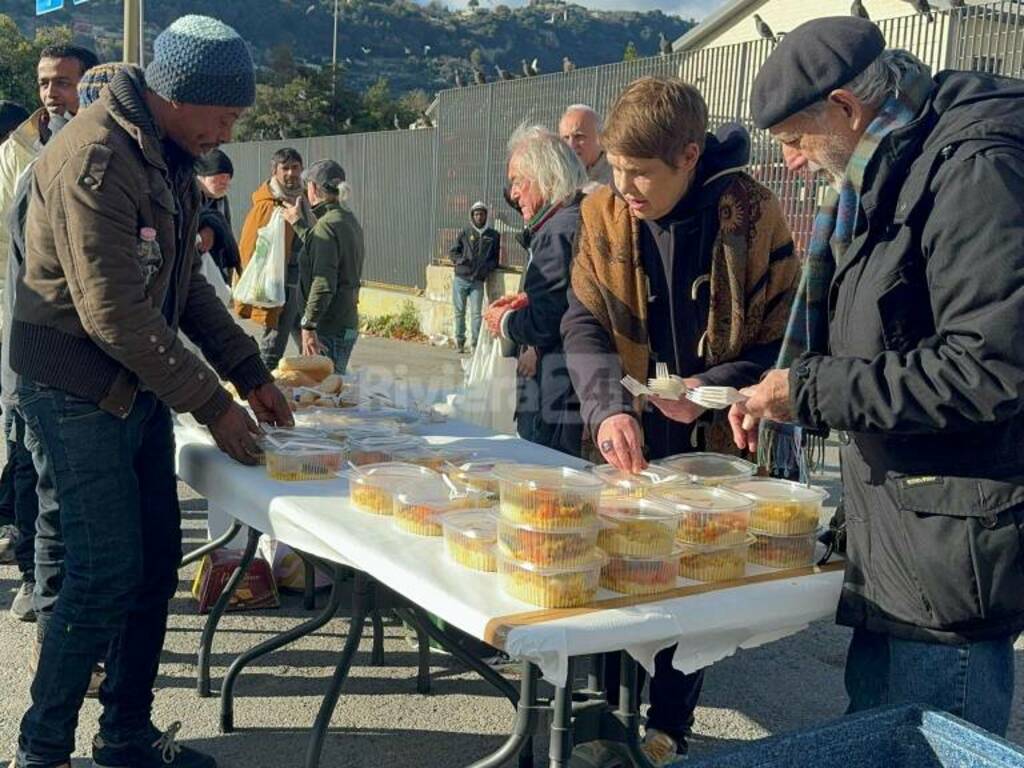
x=474 y=4
x=630 y=53
x=475 y=57
x=18 y=59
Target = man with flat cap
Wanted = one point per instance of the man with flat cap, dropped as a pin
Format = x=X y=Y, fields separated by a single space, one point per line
x=331 y=264
x=906 y=341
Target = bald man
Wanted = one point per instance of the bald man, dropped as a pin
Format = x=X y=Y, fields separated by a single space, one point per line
x=580 y=128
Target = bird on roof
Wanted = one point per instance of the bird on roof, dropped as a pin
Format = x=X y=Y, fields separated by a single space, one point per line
x=534 y=67
x=923 y=8
x=763 y=30
x=858 y=10
x=504 y=74
x=479 y=77
x=664 y=46
x=567 y=64
x=458 y=80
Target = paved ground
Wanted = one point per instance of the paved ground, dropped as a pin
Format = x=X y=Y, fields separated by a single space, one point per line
x=381 y=720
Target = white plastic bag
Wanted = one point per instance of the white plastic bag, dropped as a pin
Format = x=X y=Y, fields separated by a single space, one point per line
x=208 y=268
x=489 y=393
x=262 y=282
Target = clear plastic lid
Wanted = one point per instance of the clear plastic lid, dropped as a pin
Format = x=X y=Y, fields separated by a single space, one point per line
x=626 y=509
x=702 y=498
x=597 y=559
x=685 y=548
x=705 y=467
x=301 y=447
x=392 y=472
x=579 y=530
x=387 y=443
x=675 y=554
x=772 y=489
x=647 y=478
x=479 y=524
x=284 y=434
x=540 y=476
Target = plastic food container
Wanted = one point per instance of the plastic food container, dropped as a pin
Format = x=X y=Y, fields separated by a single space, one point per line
x=436 y=459
x=281 y=435
x=301 y=459
x=714 y=562
x=641 y=575
x=776 y=551
x=709 y=468
x=637 y=527
x=420 y=511
x=552 y=586
x=547 y=497
x=708 y=515
x=381 y=448
x=372 y=488
x=781 y=506
x=478 y=475
x=638 y=486
x=543 y=546
x=469 y=538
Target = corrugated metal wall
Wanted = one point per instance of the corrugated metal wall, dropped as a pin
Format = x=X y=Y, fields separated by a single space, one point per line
x=413 y=189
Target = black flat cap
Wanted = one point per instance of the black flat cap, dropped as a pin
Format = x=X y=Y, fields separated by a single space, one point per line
x=812 y=61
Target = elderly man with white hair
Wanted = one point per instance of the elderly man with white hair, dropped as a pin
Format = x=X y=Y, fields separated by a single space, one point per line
x=544 y=179
x=580 y=128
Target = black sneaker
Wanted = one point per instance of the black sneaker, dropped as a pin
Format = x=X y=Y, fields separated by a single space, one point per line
x=21 y=606
x=158 y=750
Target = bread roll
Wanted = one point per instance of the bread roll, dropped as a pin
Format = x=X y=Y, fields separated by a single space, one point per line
x=294 y=379
x=331 y=385
x=316 y=366
x=308 y=398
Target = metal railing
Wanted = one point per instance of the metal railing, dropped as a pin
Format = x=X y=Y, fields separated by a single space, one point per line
x=413 y=189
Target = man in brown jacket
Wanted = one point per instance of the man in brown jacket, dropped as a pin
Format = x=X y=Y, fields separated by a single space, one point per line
x=111 y=274
x=283 y=188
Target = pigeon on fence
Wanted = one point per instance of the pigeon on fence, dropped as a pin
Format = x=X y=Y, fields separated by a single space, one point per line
x=567 y=64
x=664 y=46
x=765 y=31
x=858 y=10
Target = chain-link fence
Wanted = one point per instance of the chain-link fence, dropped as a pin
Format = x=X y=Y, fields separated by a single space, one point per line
x=413 y=189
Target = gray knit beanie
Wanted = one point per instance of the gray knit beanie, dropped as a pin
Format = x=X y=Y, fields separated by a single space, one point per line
x=199 y=60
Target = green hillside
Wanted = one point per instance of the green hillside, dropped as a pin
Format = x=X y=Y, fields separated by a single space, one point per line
x=413 y=46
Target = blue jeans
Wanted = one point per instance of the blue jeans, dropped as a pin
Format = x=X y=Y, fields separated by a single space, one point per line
x=26 y=505
x=49 y=544
x=464 y=290
x=121 y=524
x=973 y=682
x=339 y=348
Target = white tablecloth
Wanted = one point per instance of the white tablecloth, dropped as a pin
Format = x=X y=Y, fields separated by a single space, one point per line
x=315 y=517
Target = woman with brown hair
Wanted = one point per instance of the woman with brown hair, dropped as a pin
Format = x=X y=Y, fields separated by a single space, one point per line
x=683 y=260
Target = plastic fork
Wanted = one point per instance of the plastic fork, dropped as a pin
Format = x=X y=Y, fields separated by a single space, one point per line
x=715 y=398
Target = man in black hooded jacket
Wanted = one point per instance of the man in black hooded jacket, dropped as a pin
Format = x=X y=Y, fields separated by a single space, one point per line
x=920 y=370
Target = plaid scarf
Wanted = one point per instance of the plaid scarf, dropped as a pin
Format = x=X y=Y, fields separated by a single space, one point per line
x=834 y=226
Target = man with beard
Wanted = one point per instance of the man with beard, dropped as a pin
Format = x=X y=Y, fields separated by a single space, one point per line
x=283 y=187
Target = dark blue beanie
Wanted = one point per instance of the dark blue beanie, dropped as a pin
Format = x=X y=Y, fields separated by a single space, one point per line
x=199 y=60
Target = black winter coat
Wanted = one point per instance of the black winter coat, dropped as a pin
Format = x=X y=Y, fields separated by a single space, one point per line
x=547 y=411
x=475 y=254
x=925 y=376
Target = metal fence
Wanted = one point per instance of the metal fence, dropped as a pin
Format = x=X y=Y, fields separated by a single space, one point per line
x=413 y=189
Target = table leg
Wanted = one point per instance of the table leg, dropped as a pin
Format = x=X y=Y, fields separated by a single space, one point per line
x=363 y=592
x=227 y=698
x=212 y=546
x=475 y=664
x=628 y=712
x=308 y=586
x=527 y=716
x=210 y=628
x=561 y=744
x=377 y=651
x=595 y=677
x=423 y=650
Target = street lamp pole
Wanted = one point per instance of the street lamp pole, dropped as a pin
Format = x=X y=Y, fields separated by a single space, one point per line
x=132 y=25
x=334 y=70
